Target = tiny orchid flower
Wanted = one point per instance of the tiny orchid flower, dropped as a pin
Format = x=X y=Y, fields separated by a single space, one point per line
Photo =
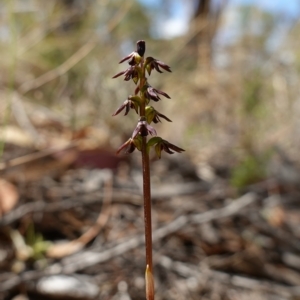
x=152 y=115
x=130 y=73
x=156 y=118
x=143 y=128
x=135 y=56
x=152 y=63
x=162 y=145
x=152 y=93
x=167 y=147
x=127 y=104
x=128 y=145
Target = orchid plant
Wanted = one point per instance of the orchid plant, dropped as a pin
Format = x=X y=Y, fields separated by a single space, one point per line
x=140 y=102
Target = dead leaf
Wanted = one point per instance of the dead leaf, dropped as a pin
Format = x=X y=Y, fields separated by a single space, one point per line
x=9 y=196
x=16 y=136
x=275 y=215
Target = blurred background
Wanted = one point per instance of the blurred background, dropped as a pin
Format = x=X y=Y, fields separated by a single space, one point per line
x=233 y=86
x=235 y=109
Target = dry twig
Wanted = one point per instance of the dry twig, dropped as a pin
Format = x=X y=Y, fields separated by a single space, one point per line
x=83 y=260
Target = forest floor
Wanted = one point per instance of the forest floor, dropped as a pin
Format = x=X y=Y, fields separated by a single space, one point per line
x=71 y=227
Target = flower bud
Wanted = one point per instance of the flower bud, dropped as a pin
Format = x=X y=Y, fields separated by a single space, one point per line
x=141 y=47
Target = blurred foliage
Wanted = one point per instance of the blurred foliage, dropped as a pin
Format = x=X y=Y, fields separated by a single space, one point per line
x=252 y=95
x=61 y=55
x=36 y=243
x=251 y=169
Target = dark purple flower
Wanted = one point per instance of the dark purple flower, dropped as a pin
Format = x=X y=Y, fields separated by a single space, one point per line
x=143 y=128
x=156 y=118
x=152 y=115
x=127 y=104
x=164 y=145
x=152 y=63
x=130 y=73
x=135 y=56
x=129 y=145
x=152 y=93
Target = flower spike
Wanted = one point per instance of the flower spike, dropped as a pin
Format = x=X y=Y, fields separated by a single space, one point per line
x=143 y=94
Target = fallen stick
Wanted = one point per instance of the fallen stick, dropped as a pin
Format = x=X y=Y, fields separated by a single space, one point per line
x=86 y=259
x=204 y=275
